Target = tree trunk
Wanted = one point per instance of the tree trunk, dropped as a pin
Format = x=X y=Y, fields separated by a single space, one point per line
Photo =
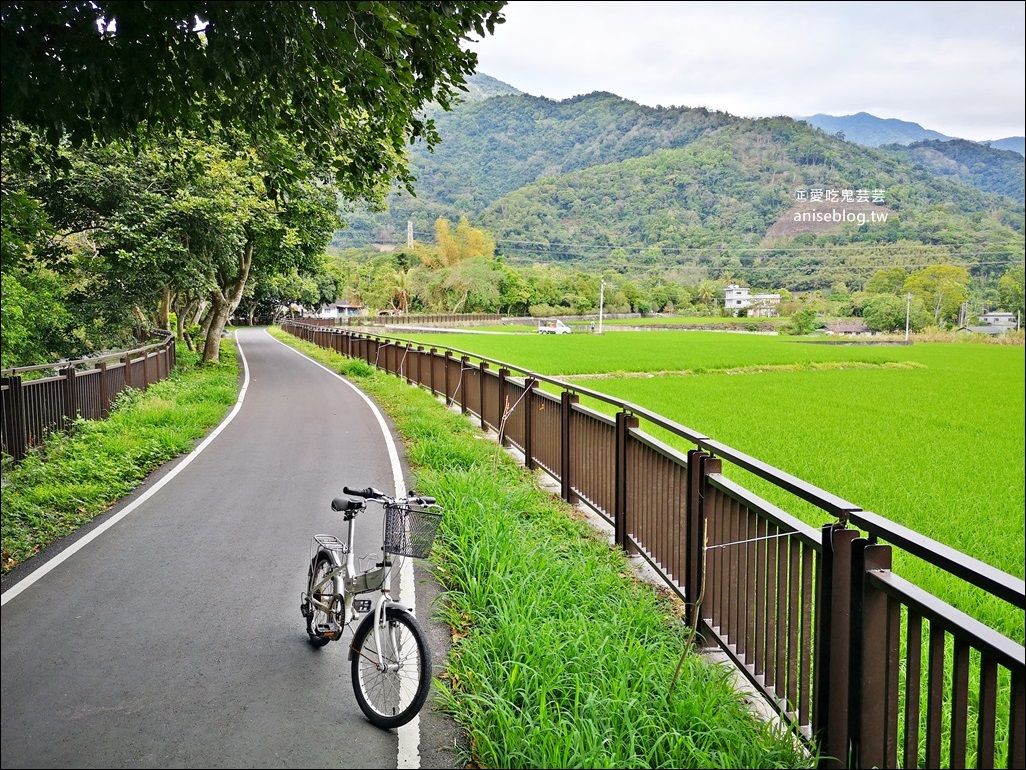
x=140 y=327
x=456 y=307
x=204 y=330
x=224 y=301
x=164 y=310
x=218 y=316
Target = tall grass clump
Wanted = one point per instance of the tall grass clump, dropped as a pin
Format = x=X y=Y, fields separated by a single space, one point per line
x=78 y=474
x=580 y=658
x=560 y=657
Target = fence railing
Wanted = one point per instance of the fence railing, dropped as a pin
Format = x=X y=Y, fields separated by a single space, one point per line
x=404 y=319
x=816 y=618
x=30 y=409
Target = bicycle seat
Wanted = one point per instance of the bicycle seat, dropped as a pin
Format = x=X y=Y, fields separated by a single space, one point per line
x=347 y=504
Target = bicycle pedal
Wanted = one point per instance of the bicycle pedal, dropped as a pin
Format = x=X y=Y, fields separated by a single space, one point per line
x=328 y=630
x=362 y=605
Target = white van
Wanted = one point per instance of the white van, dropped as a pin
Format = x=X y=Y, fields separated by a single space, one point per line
x=553 y=327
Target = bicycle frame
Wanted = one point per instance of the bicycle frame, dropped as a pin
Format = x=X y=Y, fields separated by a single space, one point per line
x=354 y=583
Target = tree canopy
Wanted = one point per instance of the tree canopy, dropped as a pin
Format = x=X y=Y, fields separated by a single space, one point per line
x=346 y=81
x=181 y=157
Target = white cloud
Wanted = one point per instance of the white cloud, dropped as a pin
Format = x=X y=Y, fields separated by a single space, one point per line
x=953 y=67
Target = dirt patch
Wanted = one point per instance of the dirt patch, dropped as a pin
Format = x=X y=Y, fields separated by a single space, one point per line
x=827 y=218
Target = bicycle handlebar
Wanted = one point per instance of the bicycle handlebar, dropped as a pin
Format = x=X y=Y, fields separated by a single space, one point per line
x=367 y=492
x=376 y=494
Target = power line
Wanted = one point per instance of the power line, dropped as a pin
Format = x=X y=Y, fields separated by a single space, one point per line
x=846 y=250
x=857 y=246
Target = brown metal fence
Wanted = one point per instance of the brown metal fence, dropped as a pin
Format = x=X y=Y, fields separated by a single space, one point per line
x=404 y=319
x=30 y=409
x=868 y=667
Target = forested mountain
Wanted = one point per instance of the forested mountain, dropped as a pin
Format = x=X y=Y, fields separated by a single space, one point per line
x=493 y=147
x=1013 y=143
x=598 y=180
x=481 y=87
x=985 y=168
x=863 y=128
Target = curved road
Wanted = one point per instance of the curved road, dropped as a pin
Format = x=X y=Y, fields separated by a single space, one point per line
x=168 y=633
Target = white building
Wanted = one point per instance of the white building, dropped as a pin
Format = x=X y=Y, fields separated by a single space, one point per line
x=340 y=309
x=1006 y=320
x=738 y=298
x=994 y=324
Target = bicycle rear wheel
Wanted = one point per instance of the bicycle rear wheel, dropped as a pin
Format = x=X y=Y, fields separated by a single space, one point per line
x=394 y=695
x=323 y=592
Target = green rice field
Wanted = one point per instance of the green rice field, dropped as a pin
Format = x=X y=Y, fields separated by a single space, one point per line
x=928 y=435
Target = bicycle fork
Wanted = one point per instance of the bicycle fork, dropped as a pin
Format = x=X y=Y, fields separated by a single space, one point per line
x=387 y=637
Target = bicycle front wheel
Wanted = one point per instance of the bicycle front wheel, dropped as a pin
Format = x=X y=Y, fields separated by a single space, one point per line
x=393 y=693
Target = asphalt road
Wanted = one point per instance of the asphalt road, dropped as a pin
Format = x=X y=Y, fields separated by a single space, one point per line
x=168 y=632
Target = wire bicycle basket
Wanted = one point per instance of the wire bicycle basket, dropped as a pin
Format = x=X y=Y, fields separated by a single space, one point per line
x=410 y=530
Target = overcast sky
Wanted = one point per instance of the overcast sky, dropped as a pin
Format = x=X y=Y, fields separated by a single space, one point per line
x=953 y=67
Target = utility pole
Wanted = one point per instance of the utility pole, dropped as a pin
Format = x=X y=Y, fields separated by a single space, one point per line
x=409 y=232
x=602 y=292
x=908 y=305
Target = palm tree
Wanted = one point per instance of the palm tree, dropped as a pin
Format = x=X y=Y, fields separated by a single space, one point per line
x=401 y=291
x=706 y=291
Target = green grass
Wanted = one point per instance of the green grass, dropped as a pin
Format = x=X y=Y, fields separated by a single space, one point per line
x=656 y=351
x=79 y=474
x=929 y=436
x=561 y=658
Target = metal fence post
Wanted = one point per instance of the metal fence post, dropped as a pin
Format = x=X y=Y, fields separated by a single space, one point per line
x=448 y=378
x=464 y=364
x=624 y=422
x=503 y=398
x=482 y=371
x=15 y=438
x=530 y=386
x=694 y=531
x=567 y=400
x=874 y=651
x=707 y=465
x=105 y=397
x=832 y=662
x=70 y=395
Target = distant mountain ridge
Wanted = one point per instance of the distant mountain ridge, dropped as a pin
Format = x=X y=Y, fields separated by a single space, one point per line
x=984 y=167
x=863 y=128
x=600 y=180
x=481 y=87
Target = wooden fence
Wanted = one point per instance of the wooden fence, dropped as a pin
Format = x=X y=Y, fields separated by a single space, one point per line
x=866 y=666
x=85 y=388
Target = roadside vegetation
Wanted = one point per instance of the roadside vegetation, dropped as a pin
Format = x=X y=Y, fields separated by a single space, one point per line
x=76 y=476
